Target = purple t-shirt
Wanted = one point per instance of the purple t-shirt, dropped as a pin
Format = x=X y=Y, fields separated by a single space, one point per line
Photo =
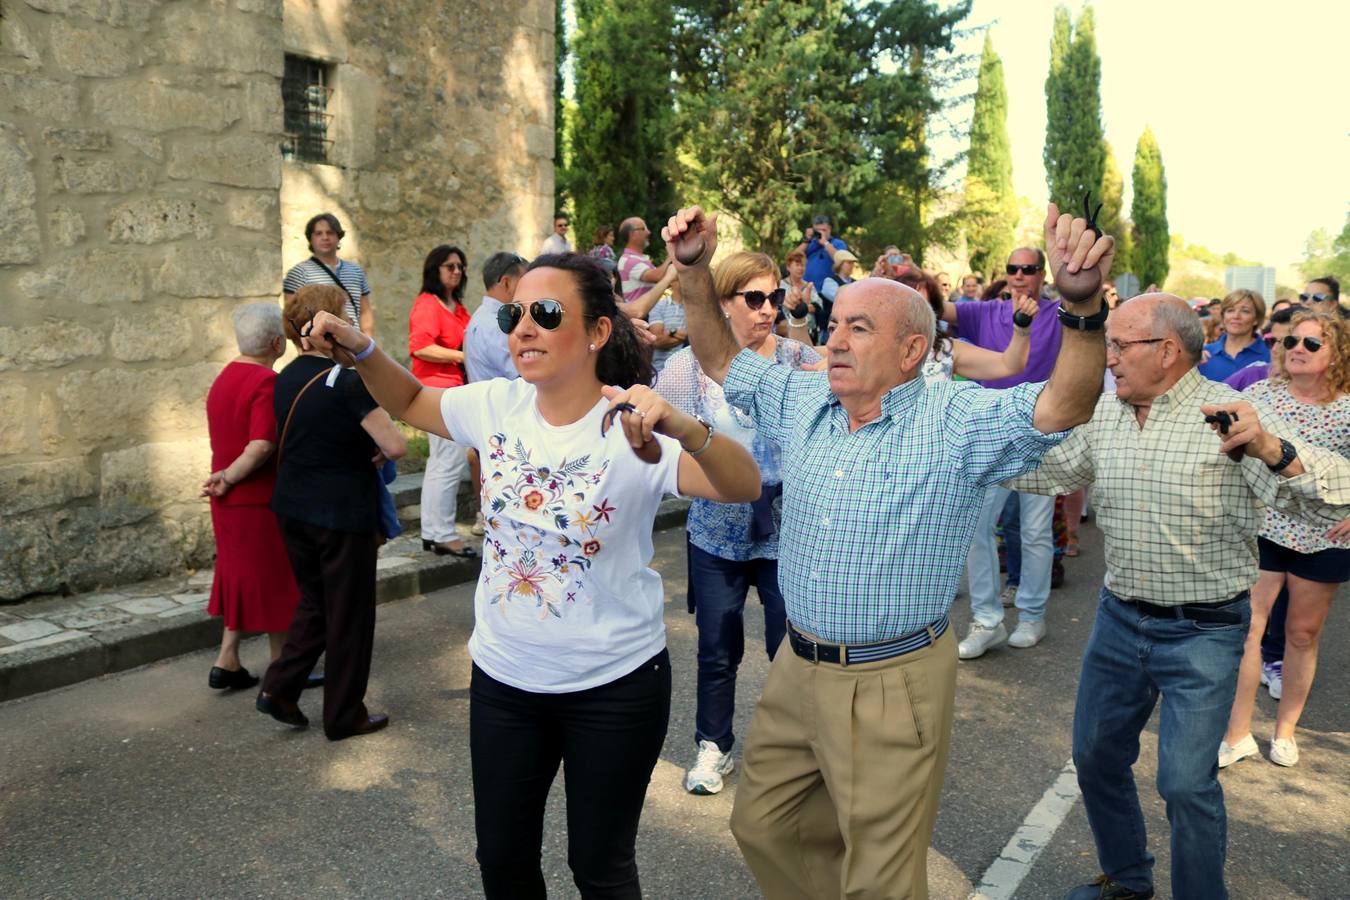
x=989 y=324
x=1247 y=376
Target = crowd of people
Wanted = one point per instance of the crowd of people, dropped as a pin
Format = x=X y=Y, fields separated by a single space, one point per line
x=853 y=446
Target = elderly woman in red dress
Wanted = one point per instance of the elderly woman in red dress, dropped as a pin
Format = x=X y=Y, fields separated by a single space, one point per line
x=253 y=589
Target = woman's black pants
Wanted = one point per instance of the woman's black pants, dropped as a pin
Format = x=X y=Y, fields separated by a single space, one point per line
x=608 y=739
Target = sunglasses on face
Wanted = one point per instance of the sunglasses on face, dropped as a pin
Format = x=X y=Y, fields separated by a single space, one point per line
x=1315 y=298
x=755 y=299
x=1030 y=269
x=453 y=267
x=1311 y=344
x=547 y=314
x=1270 y=339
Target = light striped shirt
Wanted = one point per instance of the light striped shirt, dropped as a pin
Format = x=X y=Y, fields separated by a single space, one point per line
x=352 y=276
x=877 y=522
x=1180 y=518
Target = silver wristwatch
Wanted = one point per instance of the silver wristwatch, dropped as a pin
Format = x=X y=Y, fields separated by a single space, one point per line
x=711 y=431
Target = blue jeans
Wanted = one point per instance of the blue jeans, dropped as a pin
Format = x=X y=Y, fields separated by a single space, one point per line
x=1131 y=659
x=717 y=589
x=1037 y=557
x=1010 y=520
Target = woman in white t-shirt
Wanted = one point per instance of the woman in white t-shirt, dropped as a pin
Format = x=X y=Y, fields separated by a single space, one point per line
x=568 y=647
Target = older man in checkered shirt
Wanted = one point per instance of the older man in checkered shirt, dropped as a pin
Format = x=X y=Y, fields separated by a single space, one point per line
x=883 y=478
x=1180 y=518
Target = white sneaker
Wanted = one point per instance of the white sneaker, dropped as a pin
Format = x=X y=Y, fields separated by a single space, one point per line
x=1027 y=634
x=706 y=775
x=1008 y=596
x=980 y=639
x=1231 y=753
x=1272 y=676
x=1284 y=752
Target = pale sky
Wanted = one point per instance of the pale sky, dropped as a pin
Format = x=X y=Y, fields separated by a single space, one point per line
x=1248 y=106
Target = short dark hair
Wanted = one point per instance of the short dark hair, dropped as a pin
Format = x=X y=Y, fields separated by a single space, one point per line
x=562 y=215
x=821 y=219
x=1040 y=254
x=332 y=221
x=499 y=265
x=431 y=271
x=625 y=230
x=625 y=360
x=1332 y=283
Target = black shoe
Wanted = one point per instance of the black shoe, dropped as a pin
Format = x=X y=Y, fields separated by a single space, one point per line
x=1056 y=574
x=465 y=552
x=226 y=680
x=314 y=681
x=373 y=723
x=1103 y=888
x=287 y=712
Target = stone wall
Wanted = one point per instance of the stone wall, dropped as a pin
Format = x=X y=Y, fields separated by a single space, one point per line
x=143 y=196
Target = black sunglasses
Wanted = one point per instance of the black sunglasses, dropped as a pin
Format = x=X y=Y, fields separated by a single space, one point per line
x=547 y=314
x=1315 y=298
x=1029 y=269
x=755 y=299
x=1311 y=344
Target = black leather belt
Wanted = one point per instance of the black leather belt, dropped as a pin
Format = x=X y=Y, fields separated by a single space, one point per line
x=855 y=654
x=1218 y=613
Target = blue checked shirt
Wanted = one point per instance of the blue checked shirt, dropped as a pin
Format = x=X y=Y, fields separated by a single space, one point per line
x=877 y=523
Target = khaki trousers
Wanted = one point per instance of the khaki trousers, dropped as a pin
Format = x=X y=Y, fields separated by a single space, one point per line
x=842 y=774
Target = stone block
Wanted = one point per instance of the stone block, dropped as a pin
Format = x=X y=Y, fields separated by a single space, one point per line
x=241 y=160
x=91 y=50
x=539 y=141
x=155 y=220
x=77 y=139
x=46 y=346
x=55 y=101
x=116 y=404
x=153 y=106
x=262 y=107
x=37 y=550
x=379 y=191
x=99 y=276
x=146 y=606
x=216 y=271
x=135 y=13
x=147 y=144
x=153 y=476
x=65 y=226
x=102 y=175
x=25 y=487
x=14 y=419
x=20 y=239
x=264 y=7
x=97 y=619
x=29 y=631
x=152 y=335
x=254 y=210
x=17 y=43
x=201 y=37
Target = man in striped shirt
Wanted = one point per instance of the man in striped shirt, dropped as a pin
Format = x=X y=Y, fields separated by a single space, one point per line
x=324 y=234
x=635 y=267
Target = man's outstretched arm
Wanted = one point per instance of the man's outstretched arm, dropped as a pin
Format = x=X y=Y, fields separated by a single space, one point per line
x=691 y=238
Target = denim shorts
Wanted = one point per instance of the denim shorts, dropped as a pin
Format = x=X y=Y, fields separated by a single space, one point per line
x=1329 y=566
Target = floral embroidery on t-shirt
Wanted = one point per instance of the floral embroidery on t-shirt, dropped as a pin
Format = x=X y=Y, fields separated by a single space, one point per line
x=532 y=509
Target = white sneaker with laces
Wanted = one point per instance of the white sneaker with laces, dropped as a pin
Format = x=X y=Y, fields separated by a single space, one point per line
x=980 y=639
x=1272 y=676
x=1027 y=634
x=705 y=777
x=1231 y=753
x=1284 y=752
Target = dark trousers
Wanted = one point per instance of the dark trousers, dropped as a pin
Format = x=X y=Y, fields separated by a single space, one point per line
x=717 y=590
x=336 y=614
x=1272 y=641
x=608 y=739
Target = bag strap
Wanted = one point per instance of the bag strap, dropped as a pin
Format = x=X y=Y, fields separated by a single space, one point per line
x=281 y=443
x=356 y=301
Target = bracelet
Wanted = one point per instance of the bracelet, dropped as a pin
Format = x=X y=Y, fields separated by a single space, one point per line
x=370 y=348
x=1093 y=322
x=795 y=323
x=707 y=443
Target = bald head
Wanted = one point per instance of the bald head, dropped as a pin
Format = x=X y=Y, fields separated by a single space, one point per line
x=633 y=233
x=1166 y=315
x=893 y=306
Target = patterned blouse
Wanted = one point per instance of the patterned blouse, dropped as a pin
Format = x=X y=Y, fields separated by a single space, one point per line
x=723 y=529
x=1322 y=425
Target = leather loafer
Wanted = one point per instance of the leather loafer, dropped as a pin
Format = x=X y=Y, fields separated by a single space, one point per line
x=314 y=681
x=287 y=712
x=372 y=724
x=227 y=680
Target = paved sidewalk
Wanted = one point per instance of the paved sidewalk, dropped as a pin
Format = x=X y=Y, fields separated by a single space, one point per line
x=56 y=641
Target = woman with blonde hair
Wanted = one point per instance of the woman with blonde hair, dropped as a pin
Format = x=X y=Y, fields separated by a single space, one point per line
x=732 y=546
x=1239 y=342
x=1309 y=388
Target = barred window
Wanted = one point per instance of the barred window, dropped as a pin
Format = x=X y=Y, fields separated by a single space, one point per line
x=305 y=94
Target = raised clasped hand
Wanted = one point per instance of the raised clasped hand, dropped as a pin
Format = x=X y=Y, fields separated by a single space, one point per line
x=1079 y=259
x=1025 y=303
x=335 y=338
x=691 y=237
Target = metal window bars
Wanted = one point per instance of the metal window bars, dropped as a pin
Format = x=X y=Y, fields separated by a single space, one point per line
x=305 y=95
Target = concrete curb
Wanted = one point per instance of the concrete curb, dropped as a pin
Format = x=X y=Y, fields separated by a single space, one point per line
x=404 y=571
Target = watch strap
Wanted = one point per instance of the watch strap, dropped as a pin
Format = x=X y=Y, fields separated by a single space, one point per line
x=1093 y=322
x=1288 y=453
x=707 y=443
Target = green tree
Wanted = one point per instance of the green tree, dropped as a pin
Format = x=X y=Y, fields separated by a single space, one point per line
x=990 y=202
x=622 y=162
x=1074 y=153
x=560 y=195
x=1327 y=255
x=1149 y=212
x=1112 y=218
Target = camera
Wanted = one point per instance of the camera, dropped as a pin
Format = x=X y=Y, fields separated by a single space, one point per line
x=810 y=235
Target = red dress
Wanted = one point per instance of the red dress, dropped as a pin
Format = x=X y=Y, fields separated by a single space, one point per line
x=254 y=588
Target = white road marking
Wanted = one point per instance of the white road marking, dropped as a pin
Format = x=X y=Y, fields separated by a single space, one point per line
x=1002 y=878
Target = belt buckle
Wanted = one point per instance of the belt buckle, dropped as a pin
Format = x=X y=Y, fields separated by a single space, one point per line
x=815 y=653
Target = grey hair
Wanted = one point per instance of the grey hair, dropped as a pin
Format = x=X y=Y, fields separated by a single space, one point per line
x=1171 y=316
x=256 y=326
x=916 y=317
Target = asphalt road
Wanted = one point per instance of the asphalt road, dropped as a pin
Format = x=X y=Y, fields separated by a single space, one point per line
x=147 y=784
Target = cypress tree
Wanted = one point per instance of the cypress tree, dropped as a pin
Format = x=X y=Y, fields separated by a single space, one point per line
x=1112 y=219
x=1074 y=157
x=1149 y=212
x=990 y=202
x=560 y=193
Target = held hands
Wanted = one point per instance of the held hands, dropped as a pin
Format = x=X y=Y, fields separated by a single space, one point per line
x=691 y=237
x=1079 y=260
x=643 y=413
x=1243 y=432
